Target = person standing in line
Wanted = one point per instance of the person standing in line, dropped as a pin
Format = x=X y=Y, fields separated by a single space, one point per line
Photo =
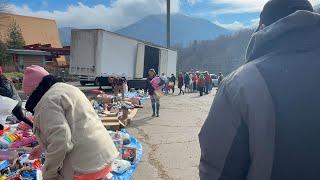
x=220 y=78
x=172 y=82
x=208 y=82
x=201 y=84
x=262 y=124
x=191 y=83
x=166 y=83
x=181 y=83
x=195 y=82
x=155 y=99
x=187 y=82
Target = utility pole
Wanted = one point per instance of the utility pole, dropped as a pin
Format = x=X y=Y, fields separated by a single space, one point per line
x=168 y=24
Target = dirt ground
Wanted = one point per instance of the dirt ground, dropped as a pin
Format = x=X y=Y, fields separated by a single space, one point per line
x=171 y=147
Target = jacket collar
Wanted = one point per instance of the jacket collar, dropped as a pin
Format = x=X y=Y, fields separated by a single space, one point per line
x=39 y=92
x=298 y=31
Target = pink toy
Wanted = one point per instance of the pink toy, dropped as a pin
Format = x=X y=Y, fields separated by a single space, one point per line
x=23 y=126
x=23 y=142
x=24 y=133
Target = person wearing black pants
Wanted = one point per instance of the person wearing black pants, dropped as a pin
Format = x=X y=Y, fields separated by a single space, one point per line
x=181 y=83
x=201 y=85
x=173 y=80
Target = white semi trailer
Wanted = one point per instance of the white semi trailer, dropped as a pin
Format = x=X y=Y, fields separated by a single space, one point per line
x=97 y=54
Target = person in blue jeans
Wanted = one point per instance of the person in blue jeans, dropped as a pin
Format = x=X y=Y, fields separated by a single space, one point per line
x=155 y=99
x=208 y=82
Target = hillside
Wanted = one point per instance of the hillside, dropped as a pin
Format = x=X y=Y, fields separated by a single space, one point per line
x=223 y=54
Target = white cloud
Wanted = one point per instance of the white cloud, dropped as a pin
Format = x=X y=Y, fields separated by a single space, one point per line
x=236 y=25
x=119 y=14
x=232 y=26
x=243 y=6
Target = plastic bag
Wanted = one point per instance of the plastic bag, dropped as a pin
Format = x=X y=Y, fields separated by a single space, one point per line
x=155 y=83
x=6 y=107
x=120 y=166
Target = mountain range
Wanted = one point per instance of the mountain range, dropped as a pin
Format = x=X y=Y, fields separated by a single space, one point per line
x=184 y=30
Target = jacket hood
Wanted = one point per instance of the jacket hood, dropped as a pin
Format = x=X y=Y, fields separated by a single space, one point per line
x=298 y=31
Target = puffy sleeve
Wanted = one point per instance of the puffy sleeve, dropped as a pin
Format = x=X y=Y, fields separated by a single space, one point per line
x=57 y=135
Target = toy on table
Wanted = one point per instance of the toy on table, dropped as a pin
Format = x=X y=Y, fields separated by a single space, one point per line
x=117 y=139
x=24 y=126
x=4 y=164
x=129 y=153
x=8 y=139
x=23 y=142
x=8 y=154
x=6 y=129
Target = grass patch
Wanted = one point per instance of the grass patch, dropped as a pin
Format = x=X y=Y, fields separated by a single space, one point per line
x=14 y=75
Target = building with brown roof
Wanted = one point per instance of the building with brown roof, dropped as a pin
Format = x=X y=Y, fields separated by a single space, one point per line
x=34 y=30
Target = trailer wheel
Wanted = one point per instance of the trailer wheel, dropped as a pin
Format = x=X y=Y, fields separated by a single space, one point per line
x=83 y=83
x=97 y=82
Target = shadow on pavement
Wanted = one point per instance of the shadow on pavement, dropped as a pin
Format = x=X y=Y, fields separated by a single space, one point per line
x=140 y=121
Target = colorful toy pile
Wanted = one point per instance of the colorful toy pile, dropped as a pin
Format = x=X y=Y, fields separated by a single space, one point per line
x=133 y=99
x=18 y=140
x=129 y=147
x=15 y=144
x=130 y=155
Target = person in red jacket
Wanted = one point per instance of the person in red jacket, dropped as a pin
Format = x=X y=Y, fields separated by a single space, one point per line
x=201 y=84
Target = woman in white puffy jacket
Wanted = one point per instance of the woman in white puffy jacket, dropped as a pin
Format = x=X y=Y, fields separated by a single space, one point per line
x=74 y=140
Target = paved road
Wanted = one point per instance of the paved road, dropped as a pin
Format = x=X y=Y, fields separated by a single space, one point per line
x=171 y=147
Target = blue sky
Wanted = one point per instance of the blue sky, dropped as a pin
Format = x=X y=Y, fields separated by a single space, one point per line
x=115 y=14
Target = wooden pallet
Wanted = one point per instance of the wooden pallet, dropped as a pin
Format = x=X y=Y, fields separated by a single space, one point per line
x=113 y=123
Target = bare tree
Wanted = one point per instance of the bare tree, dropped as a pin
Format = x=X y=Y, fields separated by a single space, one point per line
x=223 y=54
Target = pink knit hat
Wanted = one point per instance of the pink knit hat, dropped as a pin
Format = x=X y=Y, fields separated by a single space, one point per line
x=33 y=75
x=1 y=71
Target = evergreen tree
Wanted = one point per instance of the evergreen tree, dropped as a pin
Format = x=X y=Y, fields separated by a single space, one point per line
x=15 y=39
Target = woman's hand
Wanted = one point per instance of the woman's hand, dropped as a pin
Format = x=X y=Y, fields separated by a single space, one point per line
x=35 y=153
